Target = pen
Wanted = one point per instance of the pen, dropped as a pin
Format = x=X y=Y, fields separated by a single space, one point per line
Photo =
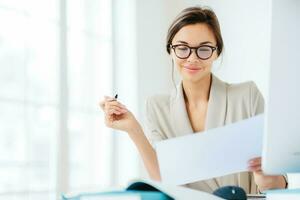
x=116 y=96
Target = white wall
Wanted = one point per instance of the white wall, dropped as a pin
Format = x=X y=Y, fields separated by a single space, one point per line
x=154 y=66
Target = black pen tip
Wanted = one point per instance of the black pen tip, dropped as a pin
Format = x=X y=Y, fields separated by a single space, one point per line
x=116 y=96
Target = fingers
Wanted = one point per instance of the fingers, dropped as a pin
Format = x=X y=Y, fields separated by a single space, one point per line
x=106 y=99
x=111 y=106
x=255 y=168
x=254 y=164
x=115 y=110
x=115 y=107
x=114 y=103
x=255 y=161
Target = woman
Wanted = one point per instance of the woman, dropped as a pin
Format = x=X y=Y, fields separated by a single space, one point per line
x=201 y=101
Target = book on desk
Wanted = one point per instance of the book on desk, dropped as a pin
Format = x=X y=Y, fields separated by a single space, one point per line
x=145 y=190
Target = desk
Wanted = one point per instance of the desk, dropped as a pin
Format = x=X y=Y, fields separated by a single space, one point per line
x=256 y=197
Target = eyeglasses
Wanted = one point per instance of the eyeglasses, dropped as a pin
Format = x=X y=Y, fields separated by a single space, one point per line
x=203 y=52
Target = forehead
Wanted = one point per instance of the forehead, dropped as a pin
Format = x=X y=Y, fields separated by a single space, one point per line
x=195 y=34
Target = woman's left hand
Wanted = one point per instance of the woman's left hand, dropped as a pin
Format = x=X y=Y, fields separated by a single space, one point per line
x=263 y=181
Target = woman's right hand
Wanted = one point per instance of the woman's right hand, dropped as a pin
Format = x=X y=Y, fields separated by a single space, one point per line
x=117 y=116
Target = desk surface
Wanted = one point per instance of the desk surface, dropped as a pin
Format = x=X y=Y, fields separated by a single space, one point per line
x=256 y=197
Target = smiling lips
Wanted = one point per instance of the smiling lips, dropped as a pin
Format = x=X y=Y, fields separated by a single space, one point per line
x=192 y=69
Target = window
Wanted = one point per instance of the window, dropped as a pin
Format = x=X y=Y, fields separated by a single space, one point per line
x=32 y=79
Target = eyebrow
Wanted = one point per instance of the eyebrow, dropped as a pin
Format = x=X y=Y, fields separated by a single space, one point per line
x=206 y=42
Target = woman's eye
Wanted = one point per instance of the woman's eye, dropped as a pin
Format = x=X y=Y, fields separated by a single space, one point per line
x=182 y=48
x=204 y=49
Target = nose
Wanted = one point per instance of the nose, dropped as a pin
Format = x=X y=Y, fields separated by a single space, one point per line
x=193 y=56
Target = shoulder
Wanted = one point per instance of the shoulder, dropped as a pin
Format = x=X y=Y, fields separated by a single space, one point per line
x=158 y=117
x=245 y=89
x=157 y=103
x=234 y=89
x=246 y=94
x=238 y=91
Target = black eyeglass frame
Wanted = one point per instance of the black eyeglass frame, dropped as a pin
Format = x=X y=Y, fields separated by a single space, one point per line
x=196 y=50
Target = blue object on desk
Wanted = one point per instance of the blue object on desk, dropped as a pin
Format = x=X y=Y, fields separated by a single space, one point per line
x=143 y=195
x=138 y=189
x=231 y=193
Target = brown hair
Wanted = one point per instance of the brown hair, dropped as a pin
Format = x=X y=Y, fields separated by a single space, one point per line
x=194 y=15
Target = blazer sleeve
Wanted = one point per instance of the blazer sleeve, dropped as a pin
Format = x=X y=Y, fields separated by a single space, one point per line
x=152 y=130
x=257 y=100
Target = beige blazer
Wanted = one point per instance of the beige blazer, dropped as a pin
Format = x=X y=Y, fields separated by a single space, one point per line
x=167 y=118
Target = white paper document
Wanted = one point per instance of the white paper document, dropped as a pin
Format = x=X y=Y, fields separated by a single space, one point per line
x=213 y=153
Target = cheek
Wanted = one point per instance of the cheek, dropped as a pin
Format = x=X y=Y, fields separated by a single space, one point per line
x=177 y=62
x=208 y=63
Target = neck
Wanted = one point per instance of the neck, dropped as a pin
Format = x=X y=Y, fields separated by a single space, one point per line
x=197 y=92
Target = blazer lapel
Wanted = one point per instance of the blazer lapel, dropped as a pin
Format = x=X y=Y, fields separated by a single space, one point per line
x=179 y=116
x=217 y=104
